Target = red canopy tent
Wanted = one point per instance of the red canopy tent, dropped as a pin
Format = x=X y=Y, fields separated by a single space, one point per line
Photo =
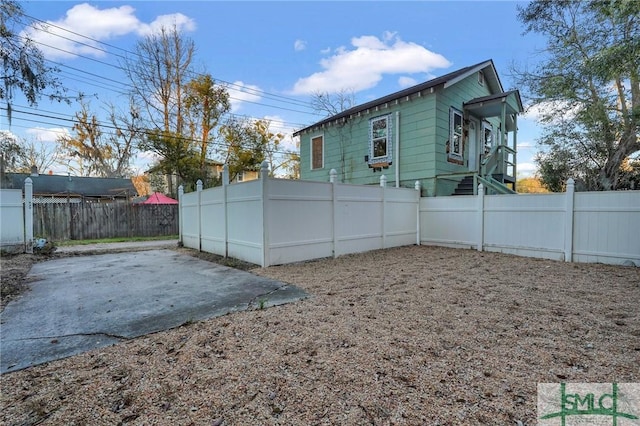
x=159 y=198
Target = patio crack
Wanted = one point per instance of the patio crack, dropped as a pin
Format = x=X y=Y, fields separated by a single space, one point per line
x=264 y=295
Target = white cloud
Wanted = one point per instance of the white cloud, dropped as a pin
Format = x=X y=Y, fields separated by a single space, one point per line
x=364 y=65
x=240 y=92
x=326 y=51
x=178 y=20
x=51 y=134
x=407 y=81
x=299 y=45
x=56 y=39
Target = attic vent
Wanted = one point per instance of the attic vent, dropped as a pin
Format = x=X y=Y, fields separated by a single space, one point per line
x=480 y=78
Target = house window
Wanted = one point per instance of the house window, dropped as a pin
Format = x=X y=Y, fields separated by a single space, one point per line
x=240 y=176
x=380 y=140
x=480 y=78
x=487 y=136
x=317 y=152
x=455 y=133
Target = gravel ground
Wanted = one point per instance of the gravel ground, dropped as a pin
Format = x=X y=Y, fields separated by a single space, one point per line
x=406 y=336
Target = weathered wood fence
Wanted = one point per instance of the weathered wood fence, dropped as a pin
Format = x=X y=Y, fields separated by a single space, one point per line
x=78 y=221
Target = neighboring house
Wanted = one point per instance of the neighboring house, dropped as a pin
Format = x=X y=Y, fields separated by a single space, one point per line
x=449 y=133
x=74 y=189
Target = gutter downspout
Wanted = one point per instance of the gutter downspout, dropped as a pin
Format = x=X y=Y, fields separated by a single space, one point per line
x=397 y=159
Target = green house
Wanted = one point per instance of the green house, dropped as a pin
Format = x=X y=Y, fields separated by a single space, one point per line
x=450 y=134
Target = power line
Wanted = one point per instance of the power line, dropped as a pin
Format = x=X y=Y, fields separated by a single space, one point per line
x=277 y=97
x=278 y=124
x=102 y=125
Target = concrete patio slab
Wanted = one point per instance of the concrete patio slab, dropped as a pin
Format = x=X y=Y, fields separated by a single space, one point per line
x=85 y=302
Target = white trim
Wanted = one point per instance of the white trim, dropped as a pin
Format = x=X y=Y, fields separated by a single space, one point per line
x=388 y=156
x=473 y=71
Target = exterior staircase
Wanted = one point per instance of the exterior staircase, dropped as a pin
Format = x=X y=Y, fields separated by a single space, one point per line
x=465 y=187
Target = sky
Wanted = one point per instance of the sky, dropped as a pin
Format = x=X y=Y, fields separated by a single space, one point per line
x=274 y=56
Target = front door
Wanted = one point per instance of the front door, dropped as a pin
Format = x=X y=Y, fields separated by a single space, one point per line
x=474 y=154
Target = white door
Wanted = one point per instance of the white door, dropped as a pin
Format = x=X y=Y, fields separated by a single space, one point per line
x=474 y=154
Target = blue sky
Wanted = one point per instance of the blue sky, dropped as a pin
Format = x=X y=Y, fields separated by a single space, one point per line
x=276 y=54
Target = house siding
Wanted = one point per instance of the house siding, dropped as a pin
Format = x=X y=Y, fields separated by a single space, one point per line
x=424 y=131
x=454 y=96
x=417 y=132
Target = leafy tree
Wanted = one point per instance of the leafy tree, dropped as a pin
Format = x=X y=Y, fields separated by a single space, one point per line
x=589 y=86
x=530 y=185
x=205 y=103
x=99 y=153
x=10 y=150
x=244 y=147
x=177 y=157
x=23 y=64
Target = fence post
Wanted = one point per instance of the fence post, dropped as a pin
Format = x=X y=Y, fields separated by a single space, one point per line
x=264 y=177
x=199 y=190
x=383 y=185
x=480 y=226
x=225 y=184
x=28 y=215
x=334 y=208
x=568 y=221
x=418 y=189
x=180 y=210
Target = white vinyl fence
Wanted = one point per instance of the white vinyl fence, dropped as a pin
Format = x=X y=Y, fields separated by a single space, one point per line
x=581 y=227
x=276 y=221
x=16 y=219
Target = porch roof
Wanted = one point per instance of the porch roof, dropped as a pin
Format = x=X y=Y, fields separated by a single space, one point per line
x=491 y=106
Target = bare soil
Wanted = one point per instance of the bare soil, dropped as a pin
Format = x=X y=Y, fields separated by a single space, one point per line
x=405 y=336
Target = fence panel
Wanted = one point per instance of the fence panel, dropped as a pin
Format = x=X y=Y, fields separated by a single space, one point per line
x=77 y=221
x=400 y=216
x=449 y=221
x=190 y=220
x=213 y=221
x=245 y=229
x=359 y=218
x=607 y=227
x=300 y=220
x=525 y=224
x=11 y=220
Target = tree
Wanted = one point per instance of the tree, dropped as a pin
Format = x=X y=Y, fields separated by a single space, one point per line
x=20 y=155
x=158 y=72
x=244 y=147
x=205 y=103
x=99 y=153
x=530 y=185
x=23 y=64
x=589 y=86
x=176 y=158
x=271 y=145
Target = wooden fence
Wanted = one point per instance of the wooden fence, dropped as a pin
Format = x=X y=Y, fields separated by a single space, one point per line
x=80 y=221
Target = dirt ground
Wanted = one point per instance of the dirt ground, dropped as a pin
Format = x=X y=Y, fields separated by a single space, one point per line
x=406 y=336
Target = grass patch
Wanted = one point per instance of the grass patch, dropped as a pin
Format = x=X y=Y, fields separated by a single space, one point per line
x=114 y=240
